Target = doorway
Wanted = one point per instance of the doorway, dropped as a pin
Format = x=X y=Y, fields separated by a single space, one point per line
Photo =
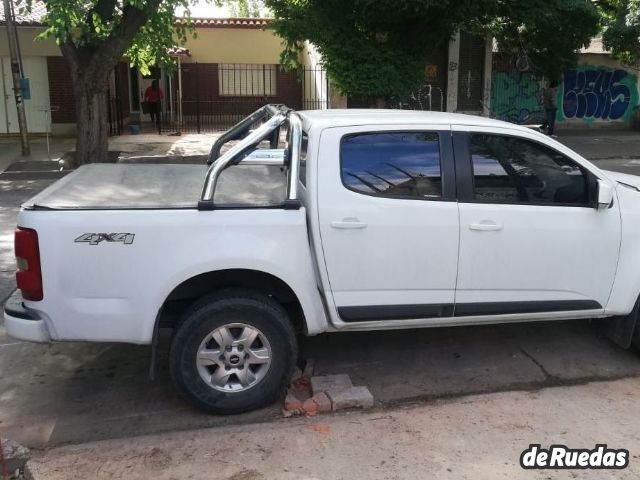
x=138 y=84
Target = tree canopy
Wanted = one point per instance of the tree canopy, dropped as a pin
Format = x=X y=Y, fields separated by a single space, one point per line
x=548 y=32
x=99 y=31
x=377 y=48
x=621 y=28
x=93 y=36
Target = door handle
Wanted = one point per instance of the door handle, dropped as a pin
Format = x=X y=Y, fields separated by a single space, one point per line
x=350 y=223
x=485 y=226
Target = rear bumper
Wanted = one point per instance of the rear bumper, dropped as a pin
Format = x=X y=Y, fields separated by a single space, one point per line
x=23 y=323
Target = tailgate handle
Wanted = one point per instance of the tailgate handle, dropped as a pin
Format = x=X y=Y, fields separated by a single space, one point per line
x=350 y=223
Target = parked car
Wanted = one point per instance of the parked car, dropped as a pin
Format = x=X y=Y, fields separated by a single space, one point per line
x=325 y=221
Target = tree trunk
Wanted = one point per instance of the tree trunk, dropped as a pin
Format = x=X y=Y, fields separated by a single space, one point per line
x=91 y=64
x=92 y=121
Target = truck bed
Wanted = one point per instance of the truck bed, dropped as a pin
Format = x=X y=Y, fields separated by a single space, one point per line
x=158 y=186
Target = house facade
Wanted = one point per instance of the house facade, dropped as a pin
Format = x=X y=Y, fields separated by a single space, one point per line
x=228 y=70
x=233 y=66
x=35 y=63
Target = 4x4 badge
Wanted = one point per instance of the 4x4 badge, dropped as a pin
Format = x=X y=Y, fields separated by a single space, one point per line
x=96 y=238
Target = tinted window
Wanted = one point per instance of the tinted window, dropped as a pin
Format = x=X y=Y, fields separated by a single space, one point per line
x=302 y=173
x=509 y=169
x=393 y=164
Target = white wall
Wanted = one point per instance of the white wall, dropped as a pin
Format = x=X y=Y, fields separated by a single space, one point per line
x=28 y=44
x=315 y=92
x=36 y=70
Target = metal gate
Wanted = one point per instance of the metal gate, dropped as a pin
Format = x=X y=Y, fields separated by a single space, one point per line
x=114 y=104
x=516 y=97
x=428 y=97
x=315 y=88
x=216 y=96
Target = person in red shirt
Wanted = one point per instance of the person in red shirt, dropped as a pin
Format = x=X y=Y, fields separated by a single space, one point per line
x=153 y=96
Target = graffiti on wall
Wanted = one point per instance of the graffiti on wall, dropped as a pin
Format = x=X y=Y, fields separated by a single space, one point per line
x=587 y=93
x=516 y=98
x=598 y=93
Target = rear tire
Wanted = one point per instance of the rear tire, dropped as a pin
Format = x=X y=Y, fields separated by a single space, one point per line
x=233 y=351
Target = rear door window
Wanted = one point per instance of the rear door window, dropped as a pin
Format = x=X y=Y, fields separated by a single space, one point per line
x=392 y=164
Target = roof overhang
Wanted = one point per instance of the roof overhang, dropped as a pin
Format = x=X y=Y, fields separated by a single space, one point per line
x=249 y=23
x=178 y=52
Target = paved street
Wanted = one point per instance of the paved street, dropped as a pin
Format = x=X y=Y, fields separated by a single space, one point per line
x=74 y=393
x=476 y=437
x=602 y=144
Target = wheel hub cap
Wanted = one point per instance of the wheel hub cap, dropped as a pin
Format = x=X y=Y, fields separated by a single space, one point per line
x=233 y=360
x=234 y=357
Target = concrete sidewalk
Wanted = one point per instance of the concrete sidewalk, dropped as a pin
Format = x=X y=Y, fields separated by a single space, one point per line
x=593 y=144
x=10 y=150
x=129 y=148
x=150 y=145
x=476 y=437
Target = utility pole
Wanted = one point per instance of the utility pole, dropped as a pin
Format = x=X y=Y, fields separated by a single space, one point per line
x=16 y=74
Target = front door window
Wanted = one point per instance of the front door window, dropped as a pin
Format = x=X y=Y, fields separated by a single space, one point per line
x=515 y=170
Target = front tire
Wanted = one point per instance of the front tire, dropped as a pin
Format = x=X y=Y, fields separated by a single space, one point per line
x=623 y=330
x=233 y=351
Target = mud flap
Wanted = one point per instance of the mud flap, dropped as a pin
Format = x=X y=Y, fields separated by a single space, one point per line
x=155 y=339
x=620 y=330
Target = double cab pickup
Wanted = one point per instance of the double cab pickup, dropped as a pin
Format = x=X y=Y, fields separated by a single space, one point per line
x=306 y=222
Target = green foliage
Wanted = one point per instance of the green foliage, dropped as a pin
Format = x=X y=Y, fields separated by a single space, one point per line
x=371 y=48
x=149 y=46
x=621 y=28
x=244 y=8
x=141 y=30
x=378 y=48
x=547 y=32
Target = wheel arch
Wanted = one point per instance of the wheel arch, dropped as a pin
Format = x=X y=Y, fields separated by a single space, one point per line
x=190 y=289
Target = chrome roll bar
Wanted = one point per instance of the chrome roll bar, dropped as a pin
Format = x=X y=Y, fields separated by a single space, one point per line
x=240 y=128
x=295 y=128
x=214 y=171
x=269 y=157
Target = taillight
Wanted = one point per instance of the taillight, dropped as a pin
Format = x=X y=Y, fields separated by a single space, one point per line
x=28 y=276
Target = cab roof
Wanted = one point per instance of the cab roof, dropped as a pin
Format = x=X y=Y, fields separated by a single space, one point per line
x=351 y=117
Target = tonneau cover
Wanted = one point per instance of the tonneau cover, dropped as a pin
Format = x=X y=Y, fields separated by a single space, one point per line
x=131 y=186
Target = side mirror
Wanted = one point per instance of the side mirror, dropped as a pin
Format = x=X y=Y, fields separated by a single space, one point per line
x=605 y=195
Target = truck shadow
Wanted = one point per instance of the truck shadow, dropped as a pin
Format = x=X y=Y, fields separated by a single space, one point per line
x=403 y=366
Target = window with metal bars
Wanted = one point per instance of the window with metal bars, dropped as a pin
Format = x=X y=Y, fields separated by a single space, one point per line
x=247 y=80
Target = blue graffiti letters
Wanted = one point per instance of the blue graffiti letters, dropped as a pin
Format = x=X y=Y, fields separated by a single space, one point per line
x=595 y=93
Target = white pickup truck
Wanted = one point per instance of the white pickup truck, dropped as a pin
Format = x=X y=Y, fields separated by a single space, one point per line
x=325 y=221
